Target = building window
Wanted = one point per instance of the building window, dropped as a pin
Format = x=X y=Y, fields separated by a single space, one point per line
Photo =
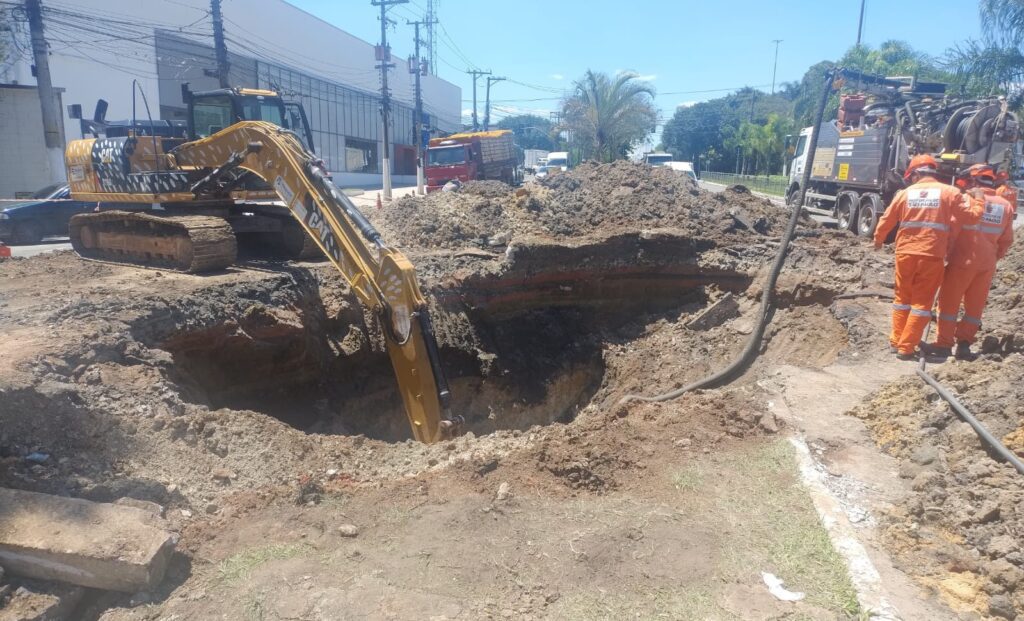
x=361 y=156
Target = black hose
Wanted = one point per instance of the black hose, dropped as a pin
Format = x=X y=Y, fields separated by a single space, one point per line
x=979 y=429
x=750 y=352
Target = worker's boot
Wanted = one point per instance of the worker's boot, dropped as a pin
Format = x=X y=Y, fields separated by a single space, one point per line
x=936 y=351
x=963 y=352
x=911 y=356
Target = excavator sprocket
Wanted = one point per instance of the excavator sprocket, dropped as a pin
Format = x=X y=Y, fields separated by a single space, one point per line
x=185 y=243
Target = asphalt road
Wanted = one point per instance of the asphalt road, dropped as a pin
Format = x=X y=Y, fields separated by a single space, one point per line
x=49 y=244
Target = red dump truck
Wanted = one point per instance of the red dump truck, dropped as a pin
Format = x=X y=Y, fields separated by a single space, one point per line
x=472 y=156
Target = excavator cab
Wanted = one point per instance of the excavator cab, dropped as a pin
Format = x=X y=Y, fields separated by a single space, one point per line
x=211 y=111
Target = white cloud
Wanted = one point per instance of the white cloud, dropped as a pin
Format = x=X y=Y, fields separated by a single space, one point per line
x=650 y=77
x=557 y=76
x=686 y=104
x=467 y=112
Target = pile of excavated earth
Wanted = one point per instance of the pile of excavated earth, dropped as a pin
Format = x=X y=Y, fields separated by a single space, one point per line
x=246 y=423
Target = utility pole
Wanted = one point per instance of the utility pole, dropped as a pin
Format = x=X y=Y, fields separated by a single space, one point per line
x=420 y=70
x=51 y=126
x=487 y=105
x=476 y=73
x=775 y=66
x=431 y=20
x=860 y=22
x=384 y=55
x=218 y=44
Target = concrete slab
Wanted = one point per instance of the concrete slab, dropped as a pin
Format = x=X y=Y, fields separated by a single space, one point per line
x=91 y=544
x=723 y=310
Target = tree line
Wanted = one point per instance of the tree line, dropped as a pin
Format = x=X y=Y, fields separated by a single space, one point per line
x=606 y=117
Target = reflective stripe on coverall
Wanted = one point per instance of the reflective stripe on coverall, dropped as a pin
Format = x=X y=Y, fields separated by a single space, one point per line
x=923 y=213
x=972 y=263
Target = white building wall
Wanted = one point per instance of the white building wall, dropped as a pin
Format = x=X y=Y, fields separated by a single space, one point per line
x=24 y=166
x=268 y=30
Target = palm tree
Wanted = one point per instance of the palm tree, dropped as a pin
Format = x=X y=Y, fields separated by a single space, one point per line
x=998 y=63
x=607 y=116
x=1004 y=19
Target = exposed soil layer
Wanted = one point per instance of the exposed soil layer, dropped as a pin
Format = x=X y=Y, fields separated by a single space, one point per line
x=961 y=529
x=240 y=398
x=591 y=199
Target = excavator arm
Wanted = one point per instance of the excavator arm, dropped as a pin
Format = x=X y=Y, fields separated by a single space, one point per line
x=382 y=277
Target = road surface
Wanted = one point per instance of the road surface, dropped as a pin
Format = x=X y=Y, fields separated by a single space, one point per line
x=49 y=244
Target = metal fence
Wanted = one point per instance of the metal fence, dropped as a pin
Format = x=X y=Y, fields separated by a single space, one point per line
x=768 y=184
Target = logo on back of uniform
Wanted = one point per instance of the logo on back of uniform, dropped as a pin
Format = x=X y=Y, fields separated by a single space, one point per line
x=925 y=199
x=993 y=213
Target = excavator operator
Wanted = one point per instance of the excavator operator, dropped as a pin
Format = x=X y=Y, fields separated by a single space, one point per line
x=976 y=248
x=923 y=214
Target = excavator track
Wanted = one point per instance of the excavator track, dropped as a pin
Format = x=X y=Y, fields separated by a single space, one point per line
x=190 y=244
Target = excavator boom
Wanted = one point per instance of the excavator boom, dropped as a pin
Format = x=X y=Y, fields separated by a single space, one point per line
x=382 y=277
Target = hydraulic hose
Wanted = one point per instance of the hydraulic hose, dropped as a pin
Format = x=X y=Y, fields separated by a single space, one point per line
x=750 y=351
x=965 y=414
x=975 y=424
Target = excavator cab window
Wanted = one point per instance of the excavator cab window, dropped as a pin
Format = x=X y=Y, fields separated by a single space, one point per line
x=295 y=120
x=212 y=114
x=259 y=108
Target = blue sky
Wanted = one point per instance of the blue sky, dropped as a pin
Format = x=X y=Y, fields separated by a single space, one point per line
x=682 y=46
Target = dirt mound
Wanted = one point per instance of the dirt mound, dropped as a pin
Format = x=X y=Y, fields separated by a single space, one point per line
x=591 y=199
x=963 y=520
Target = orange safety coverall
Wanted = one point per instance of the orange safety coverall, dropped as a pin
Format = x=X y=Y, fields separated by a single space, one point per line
x=923 y=213
x=972 y=262
x=1009 y=192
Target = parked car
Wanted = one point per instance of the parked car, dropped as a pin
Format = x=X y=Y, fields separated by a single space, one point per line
x=46 y=214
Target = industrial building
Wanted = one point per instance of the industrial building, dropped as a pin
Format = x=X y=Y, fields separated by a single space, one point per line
x=99 y=50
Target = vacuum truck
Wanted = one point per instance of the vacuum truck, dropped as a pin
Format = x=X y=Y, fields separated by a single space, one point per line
x=883 y=122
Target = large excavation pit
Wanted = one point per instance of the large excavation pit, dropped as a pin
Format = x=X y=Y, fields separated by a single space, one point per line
x=522 y=341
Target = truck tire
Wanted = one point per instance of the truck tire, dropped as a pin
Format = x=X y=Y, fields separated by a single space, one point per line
x=847 y=210
x=871 y=208
x=793 y=195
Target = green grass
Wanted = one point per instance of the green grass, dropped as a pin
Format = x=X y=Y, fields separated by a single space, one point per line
x=689 y=478
x=776 y=527
x=767 y=184
x=240 y=566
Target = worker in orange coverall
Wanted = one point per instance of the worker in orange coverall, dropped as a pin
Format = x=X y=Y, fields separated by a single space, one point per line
x=923 y=212
x=972 y=262
x=1005 y=189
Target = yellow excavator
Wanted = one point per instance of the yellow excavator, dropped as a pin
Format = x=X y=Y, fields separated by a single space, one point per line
x=186 y=194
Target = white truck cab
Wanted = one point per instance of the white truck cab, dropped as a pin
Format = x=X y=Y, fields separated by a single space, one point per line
x=657 y=159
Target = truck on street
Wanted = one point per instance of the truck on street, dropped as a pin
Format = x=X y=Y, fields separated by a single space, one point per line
x=862 y=154
x=473 y=156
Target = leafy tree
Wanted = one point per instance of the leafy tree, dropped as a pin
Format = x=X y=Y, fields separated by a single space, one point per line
x=607 y=116
x=713 y=131
x=531 y=131
x=1004 y=19
x=996 y=65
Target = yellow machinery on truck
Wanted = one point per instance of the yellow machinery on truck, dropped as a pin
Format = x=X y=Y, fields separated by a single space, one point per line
x=179 y=193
